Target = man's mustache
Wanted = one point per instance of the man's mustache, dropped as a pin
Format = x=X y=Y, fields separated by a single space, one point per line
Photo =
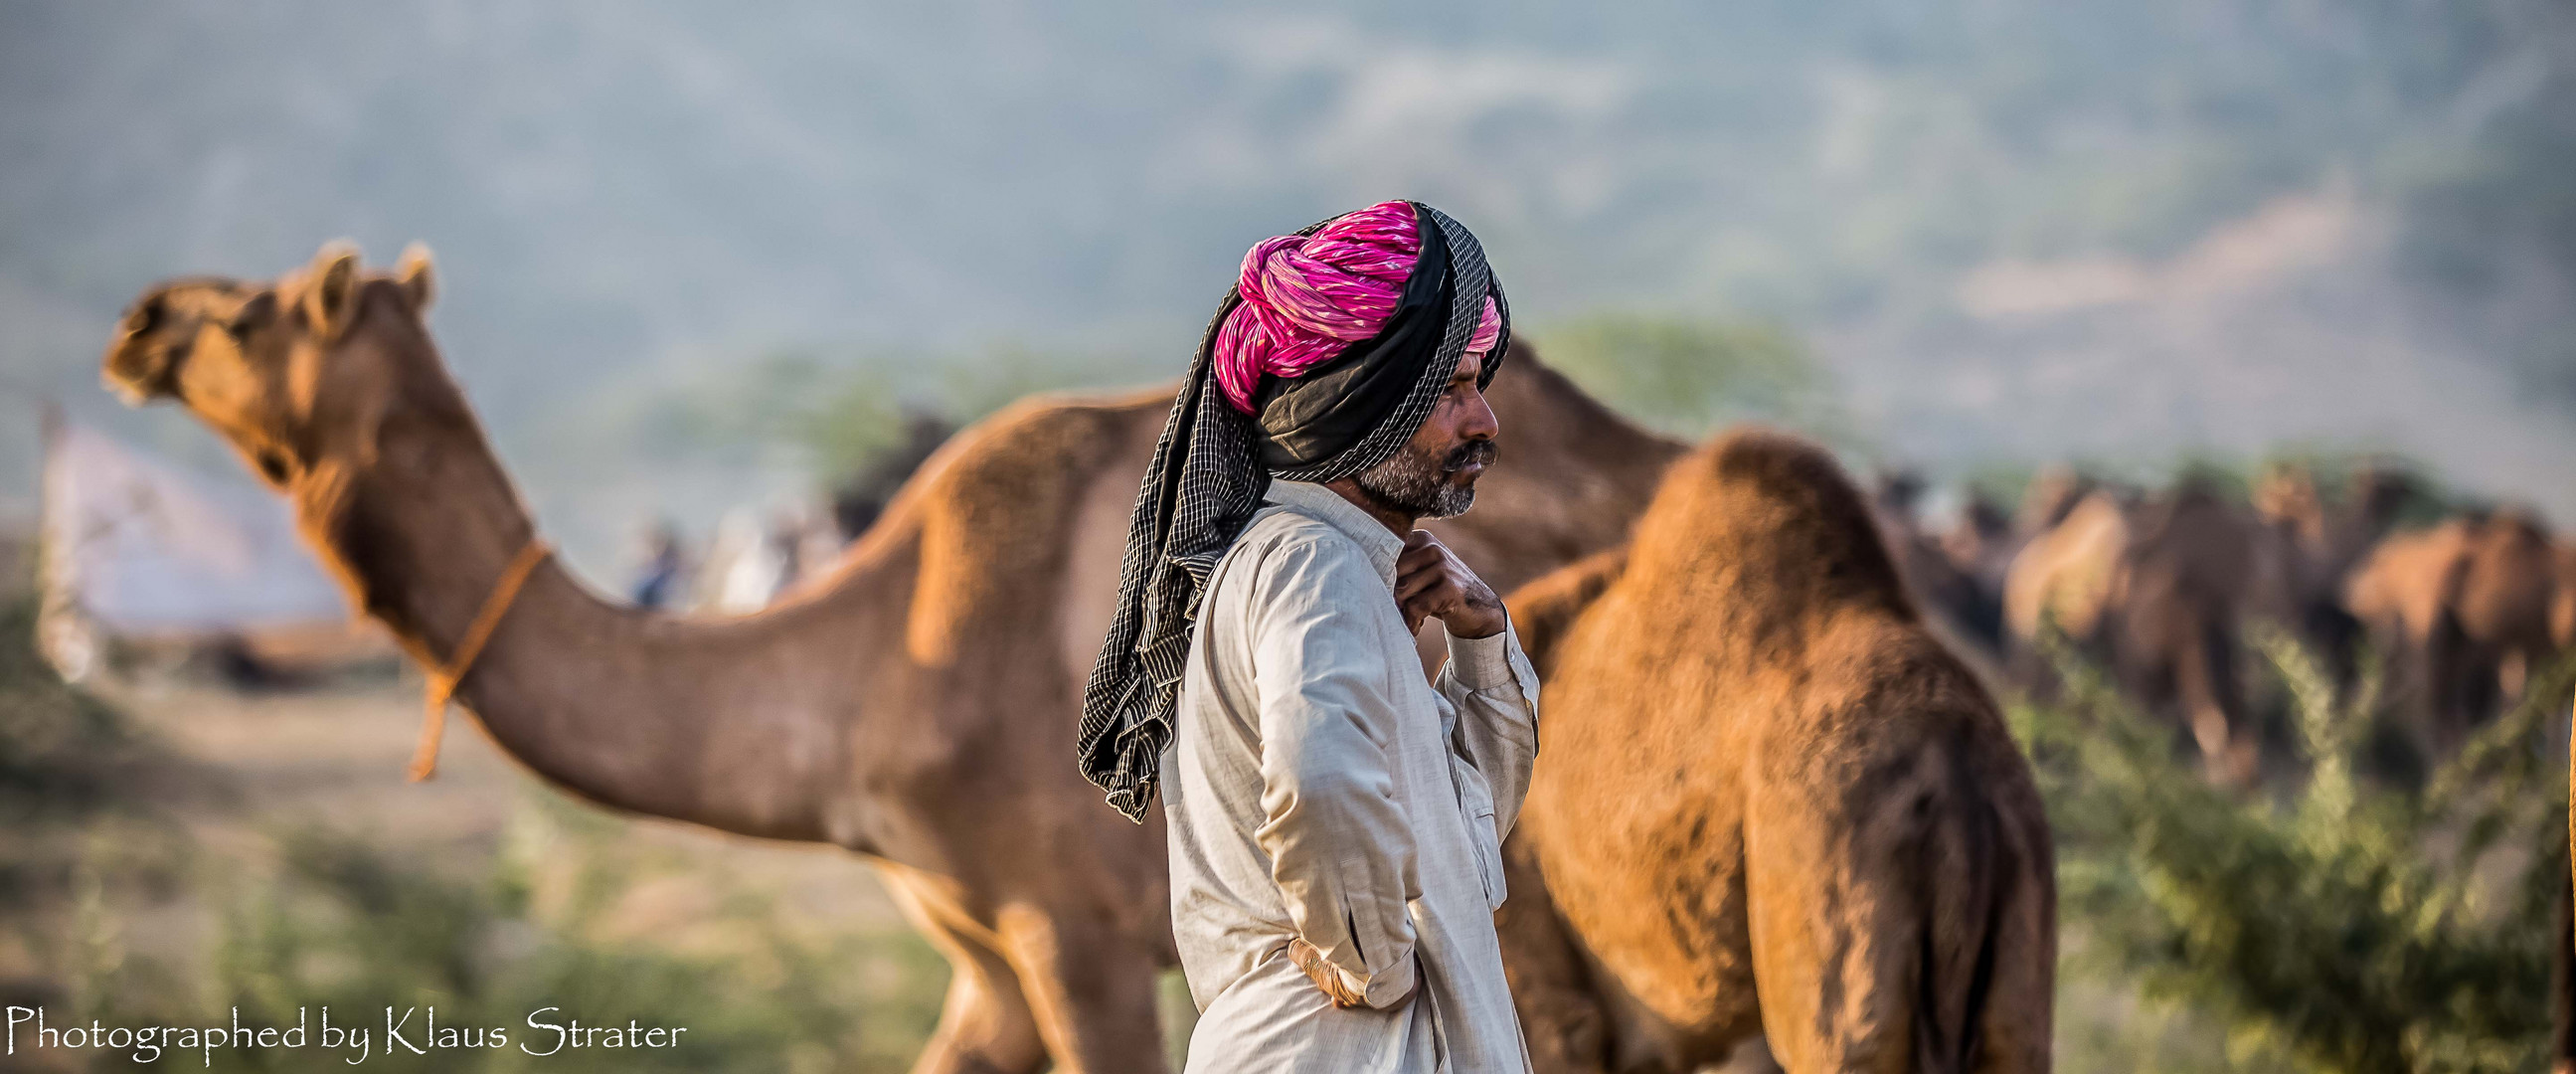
x=1473 y=451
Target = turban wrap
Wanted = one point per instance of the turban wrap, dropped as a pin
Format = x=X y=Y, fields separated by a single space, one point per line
x=1322 y=362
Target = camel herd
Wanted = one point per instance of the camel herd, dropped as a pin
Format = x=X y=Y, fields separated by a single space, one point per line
x=2161 y=588
x=1773 y=798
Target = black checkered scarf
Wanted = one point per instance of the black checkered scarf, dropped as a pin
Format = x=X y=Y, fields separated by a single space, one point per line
x=1204 y=485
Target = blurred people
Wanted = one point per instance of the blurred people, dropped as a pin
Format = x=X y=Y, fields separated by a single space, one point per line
x=663 y=575
x=1944 y=587
x=785 y=541
x=752 y=562
x=743 y=568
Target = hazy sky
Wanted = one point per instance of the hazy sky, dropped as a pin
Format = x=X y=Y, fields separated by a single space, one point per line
x=2015 y=230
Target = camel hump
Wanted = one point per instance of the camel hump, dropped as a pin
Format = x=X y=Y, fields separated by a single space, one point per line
x=1775 y=520
x=993 y=509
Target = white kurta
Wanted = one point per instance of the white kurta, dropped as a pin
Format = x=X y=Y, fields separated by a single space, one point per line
x=1318 y=787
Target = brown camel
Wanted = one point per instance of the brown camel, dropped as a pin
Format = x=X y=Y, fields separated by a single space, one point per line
x=2332 y=536
x=1771 y=801
x=2157 y=590
x=916 y=704
x=2320 y=543
x=2465 y=611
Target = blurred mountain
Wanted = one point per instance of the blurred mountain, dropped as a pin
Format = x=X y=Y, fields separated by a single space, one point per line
x=2014 y=228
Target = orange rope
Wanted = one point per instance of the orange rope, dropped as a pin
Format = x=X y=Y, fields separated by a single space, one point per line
x=444 y=680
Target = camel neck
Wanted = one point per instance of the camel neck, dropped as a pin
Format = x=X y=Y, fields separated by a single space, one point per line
x=605 y=701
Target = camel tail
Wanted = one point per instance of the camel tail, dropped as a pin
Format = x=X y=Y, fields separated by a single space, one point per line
x=1984 y=933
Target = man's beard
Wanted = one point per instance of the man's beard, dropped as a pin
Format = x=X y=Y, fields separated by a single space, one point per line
x=1414 y=483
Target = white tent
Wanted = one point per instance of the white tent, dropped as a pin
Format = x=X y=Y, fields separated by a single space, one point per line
x=133 y=547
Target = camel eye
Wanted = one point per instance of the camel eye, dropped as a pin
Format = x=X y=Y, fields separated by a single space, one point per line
x=272 y=463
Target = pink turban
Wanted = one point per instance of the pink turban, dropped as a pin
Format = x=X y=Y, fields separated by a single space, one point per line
x=1352 y=321
x=1306 y=297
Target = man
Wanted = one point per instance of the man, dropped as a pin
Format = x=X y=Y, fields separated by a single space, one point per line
x=1335 y=821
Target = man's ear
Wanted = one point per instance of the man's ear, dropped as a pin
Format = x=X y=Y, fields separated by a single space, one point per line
x=331 y=289
x=419 y=279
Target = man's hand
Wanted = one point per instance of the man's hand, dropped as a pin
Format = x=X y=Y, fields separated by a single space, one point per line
x=1432 y=583
x=1311 y=962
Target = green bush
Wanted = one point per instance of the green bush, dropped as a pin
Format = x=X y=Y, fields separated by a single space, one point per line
x=2339 y=926
x=63 y=754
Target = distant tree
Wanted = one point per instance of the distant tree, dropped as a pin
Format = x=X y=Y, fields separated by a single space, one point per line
x=861 y=494
x=1687 y=377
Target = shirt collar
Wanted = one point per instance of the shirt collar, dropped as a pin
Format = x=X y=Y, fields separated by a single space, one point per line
x=1316 y=501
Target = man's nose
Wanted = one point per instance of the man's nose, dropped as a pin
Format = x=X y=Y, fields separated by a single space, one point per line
x=1478 y=422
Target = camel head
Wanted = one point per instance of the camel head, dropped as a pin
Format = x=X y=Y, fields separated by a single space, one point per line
x=292 y=372
x=2285 y=495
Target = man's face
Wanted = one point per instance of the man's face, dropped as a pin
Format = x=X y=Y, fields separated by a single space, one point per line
x=1434 y=474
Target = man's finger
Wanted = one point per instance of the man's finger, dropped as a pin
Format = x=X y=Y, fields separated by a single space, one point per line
x=1317 y=969
x=1412 y=587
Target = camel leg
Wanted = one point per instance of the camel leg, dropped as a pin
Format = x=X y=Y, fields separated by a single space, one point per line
x=1834 y=990
x=2205 y=679
x=1920 y=939
x=1094 y=993
x=986 y=1027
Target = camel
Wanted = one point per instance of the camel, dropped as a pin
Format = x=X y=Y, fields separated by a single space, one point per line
x=2465 y=611
x=2332 y=537
x=2157 y=589
x=2053 y=491
x=2321 y=543
x=1771 y=801
x=916 y=704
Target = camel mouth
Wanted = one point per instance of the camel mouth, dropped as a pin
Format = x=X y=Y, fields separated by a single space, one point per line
x=138 y=373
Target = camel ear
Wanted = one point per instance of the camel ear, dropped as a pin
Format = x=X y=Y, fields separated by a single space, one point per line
x=419 y=279
x=331 y=289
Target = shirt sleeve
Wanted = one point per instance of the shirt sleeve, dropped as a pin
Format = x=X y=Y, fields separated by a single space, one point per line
x=1495 y=690
x=1340 y=844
